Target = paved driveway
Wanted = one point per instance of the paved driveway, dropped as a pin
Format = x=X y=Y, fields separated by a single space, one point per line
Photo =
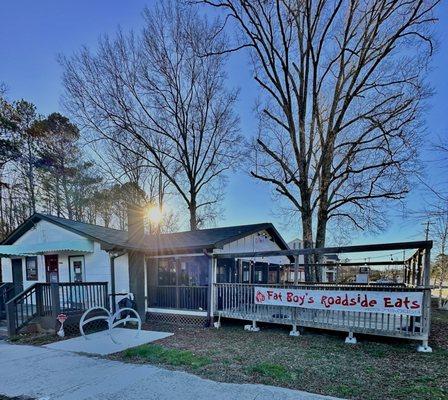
x=55 y=374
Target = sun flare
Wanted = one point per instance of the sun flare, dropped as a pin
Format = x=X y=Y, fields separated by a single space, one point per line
x=155 y=215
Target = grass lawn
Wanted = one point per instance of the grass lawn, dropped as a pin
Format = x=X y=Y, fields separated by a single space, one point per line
x=317 y=362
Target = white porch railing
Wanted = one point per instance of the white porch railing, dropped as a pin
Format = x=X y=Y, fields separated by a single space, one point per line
x=236 y=300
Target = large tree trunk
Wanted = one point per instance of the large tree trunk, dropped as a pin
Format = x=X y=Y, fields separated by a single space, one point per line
x=307 y=235
x=192 y=206
x=58 y=196
x=31 y=179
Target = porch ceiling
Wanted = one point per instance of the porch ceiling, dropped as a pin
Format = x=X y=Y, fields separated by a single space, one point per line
x=81 y=246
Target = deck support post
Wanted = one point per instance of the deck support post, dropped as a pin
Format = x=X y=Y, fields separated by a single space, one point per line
x=350 y=339
x=210 y=293
x=424 y=347
x=55 y=301
x=217 y=324
x=252 y=328
x=294 y=331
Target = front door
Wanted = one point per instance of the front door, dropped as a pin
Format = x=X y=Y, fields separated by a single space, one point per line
x=17 y=274
x=52 y=268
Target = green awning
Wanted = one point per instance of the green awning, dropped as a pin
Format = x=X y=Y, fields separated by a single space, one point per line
x=79 y=246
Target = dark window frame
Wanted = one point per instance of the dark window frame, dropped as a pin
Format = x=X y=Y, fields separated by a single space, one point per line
x=70 y=267
x=29 y=276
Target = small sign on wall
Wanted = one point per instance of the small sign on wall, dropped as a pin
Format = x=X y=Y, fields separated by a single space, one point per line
x=405 y=303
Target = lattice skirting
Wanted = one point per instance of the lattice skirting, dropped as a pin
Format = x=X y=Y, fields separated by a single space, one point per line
x=72 y=329
x=177 y=319
x=71 y=325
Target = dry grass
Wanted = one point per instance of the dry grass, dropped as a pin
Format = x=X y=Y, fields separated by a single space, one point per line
x=316 y=362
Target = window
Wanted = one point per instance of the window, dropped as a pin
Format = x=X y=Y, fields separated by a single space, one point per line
x=31 y=269
x=246 y=271
x=273 y=276
x=193 y=271
x=226 y=271
x=77 y=273
x=261 y=272
x=167 y=271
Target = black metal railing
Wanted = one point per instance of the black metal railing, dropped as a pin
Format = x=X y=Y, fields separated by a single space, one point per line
x=45 y=299
x=179 y=297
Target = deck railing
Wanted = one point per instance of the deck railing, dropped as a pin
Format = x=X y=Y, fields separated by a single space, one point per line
x=179 y=297
x=45 y=299
x=236 y=300
x=7 y=291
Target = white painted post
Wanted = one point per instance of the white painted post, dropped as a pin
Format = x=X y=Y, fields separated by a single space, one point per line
x=212 y=279
x=252 y=328
x=296 y=270
x=426 y=316
x=350 y=339
x=294 y=331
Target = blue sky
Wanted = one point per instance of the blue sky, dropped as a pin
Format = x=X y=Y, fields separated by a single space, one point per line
x=32 y=33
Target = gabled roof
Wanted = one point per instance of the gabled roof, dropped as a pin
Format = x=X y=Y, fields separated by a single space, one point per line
x=166 y=243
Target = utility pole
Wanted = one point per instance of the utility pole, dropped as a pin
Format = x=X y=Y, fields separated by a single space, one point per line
x=427 y=230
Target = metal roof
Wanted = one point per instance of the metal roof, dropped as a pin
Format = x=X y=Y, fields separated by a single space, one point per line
x=163 y=243
x=81 y=246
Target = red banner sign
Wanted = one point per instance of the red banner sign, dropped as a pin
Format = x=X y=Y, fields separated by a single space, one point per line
x=406 y=303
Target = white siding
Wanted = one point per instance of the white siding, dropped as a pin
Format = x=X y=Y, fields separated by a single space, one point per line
x=6 y=270
x=96 y=264
x=259 y=241
x=44 y=232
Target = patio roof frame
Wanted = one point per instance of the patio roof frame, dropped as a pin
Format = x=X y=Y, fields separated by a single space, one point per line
x=418 y=245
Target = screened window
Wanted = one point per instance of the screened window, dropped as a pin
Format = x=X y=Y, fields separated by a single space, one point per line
x=193 y=271
x=227 y=270
x=166 y=272
x=31 y=269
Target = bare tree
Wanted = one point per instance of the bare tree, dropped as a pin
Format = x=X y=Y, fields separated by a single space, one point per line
x=154 y=89
x=29 y=137
x=58 y=156
x=123 y=166
x=343 y=95
x=435 y=217
x=440 y=267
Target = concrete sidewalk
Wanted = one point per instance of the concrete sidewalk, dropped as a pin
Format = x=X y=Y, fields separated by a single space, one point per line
x=54 y=374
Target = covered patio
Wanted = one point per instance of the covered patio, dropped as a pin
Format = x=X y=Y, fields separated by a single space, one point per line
x=239 y=300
